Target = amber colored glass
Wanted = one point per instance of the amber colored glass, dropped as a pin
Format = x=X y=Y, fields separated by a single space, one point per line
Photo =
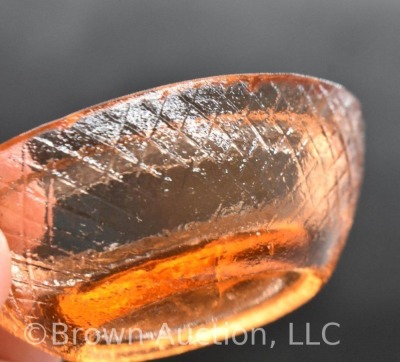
x=216 y=204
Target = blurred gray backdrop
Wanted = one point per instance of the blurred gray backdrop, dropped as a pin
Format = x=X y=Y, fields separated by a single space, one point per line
x=60 y=56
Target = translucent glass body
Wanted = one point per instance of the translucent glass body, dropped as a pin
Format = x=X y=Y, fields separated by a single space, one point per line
x=216 y=203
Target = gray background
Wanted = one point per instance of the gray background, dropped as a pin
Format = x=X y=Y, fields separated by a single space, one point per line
x=60 y=56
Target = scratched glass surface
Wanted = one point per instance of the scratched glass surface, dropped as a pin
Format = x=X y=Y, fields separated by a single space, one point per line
x=220 y=202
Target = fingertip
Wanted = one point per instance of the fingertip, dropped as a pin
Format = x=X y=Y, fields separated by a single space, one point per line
x=5 y=269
